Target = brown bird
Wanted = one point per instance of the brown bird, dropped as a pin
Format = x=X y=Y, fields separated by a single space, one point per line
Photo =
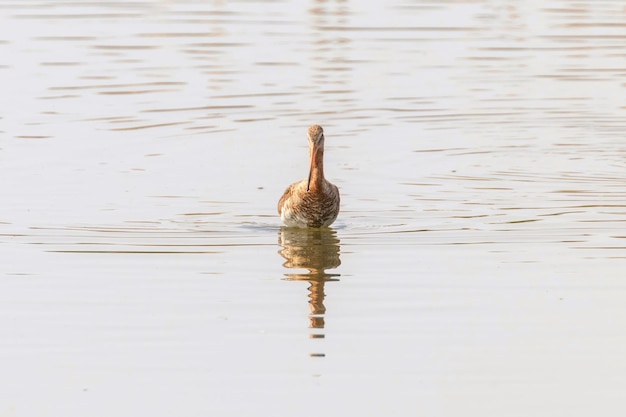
x=313 y=202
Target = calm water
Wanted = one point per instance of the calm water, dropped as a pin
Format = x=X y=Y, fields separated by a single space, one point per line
x=477 y=266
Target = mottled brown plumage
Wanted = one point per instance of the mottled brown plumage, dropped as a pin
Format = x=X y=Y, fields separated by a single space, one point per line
x=313 y=202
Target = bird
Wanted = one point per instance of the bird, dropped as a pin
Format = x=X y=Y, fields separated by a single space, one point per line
x=312 y=202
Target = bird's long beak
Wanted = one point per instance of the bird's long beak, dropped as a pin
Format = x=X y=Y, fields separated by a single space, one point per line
x=313 y=152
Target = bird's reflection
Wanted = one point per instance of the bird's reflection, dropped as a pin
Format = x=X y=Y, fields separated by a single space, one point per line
x=315 y=250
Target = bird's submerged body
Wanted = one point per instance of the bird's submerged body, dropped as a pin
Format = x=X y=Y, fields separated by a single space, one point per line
x=313 y=202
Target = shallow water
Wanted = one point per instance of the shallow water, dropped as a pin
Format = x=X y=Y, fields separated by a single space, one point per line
x=476 y=267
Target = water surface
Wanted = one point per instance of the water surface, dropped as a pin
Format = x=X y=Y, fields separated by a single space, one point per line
x=476 y=267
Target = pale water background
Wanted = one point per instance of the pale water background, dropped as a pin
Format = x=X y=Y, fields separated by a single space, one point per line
x=478 y=266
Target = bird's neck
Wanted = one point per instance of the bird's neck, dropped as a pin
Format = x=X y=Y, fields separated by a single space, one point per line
x=317 y=170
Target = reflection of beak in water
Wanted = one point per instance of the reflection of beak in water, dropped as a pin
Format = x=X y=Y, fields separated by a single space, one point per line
x=315 y=250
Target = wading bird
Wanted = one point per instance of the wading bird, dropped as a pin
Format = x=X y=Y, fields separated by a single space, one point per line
x=313 y=202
